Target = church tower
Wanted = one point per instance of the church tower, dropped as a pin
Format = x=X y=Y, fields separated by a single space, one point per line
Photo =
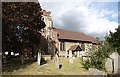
x=48 y=31
x=46 y=17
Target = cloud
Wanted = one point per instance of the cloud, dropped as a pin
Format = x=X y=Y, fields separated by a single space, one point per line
x=84 y=17
x=114 y=15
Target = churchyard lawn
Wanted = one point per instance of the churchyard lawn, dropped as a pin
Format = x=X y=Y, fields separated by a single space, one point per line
x=48 y=68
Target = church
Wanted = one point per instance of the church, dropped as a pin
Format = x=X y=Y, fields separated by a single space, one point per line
x=65 y=41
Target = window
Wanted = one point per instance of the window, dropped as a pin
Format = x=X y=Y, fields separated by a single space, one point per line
x=57 y=35
x=83 y=46
x=62 y=46
x=52 y=23
x=42 y=19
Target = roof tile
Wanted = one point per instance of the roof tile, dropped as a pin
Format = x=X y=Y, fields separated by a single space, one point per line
x=71 y=35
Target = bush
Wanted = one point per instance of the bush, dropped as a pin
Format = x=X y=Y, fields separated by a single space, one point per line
x=97 y=60
x=86 y=64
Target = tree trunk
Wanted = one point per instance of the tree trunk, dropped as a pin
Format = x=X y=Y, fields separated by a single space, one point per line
x=9 y=55
x=39 y=58
x=22 y=59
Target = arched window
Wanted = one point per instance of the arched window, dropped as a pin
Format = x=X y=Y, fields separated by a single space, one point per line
x=42 y=19
x=83 y=46
x=62 y=45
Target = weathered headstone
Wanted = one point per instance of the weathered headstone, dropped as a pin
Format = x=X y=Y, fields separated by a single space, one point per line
x=71 y=60
x=119 y=64
x=113 y=64
x=75 y=53
x=70 y=56
x=78 y=53
x=109 y=65
x=22 y=59
x=66 y=53
x=82 y=53
x=56 y=61
x=85 y=58
x=39 y=58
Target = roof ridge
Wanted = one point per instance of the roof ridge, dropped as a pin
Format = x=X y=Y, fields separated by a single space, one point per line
x=69 y=30
x=73 y=35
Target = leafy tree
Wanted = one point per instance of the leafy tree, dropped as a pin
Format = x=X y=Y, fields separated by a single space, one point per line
x=114 y=39
x=98 y=57
x=109 y=45
x=21 y=26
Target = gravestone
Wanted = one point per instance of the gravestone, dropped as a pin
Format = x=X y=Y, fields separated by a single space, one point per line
x=22 y=59
x=70 y=57
x=109 y=65
x=85 y=58
x=113 y=64
x=66 y=54
x=39 y=58
x=78 y=53
x=56 y=61
x=82 y=53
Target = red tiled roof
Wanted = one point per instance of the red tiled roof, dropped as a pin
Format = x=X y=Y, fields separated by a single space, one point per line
x=71 y=35
x=94 y=40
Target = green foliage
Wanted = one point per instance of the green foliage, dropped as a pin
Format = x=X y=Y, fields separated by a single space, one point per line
x=114 y=39
x=21 y=26
x=109 y=45
x=97 y=60
x=86 y=64
x=97 y=57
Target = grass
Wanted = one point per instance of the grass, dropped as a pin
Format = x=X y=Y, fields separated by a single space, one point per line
x=50 y=69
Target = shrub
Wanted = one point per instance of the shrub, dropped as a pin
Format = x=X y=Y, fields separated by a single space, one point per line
x=86 y=64
x=97 y=59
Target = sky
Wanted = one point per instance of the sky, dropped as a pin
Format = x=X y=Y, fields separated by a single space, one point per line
x=91 y=17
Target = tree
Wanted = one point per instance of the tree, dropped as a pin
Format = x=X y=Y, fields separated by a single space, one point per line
x=114 y=39
x=109 y=45
x=98 y=57
x=21 y=26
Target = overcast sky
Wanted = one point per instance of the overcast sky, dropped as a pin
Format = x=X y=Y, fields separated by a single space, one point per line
x=93 y=18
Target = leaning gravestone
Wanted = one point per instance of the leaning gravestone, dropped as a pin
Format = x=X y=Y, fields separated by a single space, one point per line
x=112 y=63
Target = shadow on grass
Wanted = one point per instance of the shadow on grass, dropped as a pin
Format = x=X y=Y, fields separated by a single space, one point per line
x=43 y=61
x=15 y=64
x=60 y=66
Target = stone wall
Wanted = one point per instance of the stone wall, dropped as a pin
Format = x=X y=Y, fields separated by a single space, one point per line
x=67 y=46
x=88 y=46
